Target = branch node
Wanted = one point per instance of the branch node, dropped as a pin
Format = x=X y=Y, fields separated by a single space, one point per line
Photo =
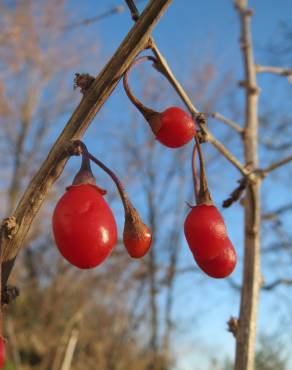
x=232 y=325
x=9 y=294
x=248 y=12
x=252 y=89
x=74 y=148
x=84 y=81
x=200 y=118
x=202 y=136
x=9 y=227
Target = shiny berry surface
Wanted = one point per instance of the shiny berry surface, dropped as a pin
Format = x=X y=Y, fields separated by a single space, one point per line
x=177 y=128
x=138 y=244
x=221 y=266
x=205 y=231
x=84 y=227
x=2 y=353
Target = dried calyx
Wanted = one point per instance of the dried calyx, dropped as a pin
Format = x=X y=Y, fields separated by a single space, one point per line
x=84 y=175
x=137 y=236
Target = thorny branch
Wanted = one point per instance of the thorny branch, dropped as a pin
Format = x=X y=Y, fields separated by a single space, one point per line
x=36 y=192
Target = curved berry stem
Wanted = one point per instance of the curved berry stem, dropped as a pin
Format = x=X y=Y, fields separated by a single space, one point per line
x=204 y=193
x=148 y=113
x=85 y=153
x=195 y=175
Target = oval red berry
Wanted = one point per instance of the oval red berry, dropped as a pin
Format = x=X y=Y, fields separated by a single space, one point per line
x=2 y=353
x=84 y=227
x=177 y=128
x=205 y=231
x=221 y=266
x=138 y=245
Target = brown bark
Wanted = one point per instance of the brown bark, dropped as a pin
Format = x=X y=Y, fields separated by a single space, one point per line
x=246 y=333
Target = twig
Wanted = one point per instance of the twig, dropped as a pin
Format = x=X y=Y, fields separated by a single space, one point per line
x=165 y=69
x=72 y=342
x=85 y=22
x=275 y=283
x=286 y=72
x=102 y=87
x=277 y=212
x=228 y=122
x=276 y=165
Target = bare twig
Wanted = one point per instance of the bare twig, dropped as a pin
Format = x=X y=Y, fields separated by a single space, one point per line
x=66 y=365
x=276 y=283
x=277 y=212
x=286 y=72
x=102 y=87
x=276 y=165
x=228 y=122
x=85 y=22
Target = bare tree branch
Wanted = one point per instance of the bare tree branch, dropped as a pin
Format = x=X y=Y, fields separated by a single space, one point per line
x=276 y=283
x=277 y=212
x=228 y=122
x=104 y=84
x=276 y=165
x=286 y=72
x=246 y=333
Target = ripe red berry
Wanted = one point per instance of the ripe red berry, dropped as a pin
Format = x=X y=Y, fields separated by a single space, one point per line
x=137 y=238
x=221 y=266
x=84 y=227
x=2 y=353
x=177 y=128
x=205 y=231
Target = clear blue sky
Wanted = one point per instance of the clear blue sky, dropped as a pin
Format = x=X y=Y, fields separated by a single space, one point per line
x=190 y=29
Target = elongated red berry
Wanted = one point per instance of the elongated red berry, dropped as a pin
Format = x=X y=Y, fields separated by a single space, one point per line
x=177 y=128
x=205 y=231
x=2 y=352
x=222 y=265
x=137 y=236
x=84 y=227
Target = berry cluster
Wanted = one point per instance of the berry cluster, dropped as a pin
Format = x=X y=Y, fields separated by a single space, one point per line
x=84 y=226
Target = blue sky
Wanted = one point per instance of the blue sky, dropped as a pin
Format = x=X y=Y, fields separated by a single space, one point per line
x=188 y=31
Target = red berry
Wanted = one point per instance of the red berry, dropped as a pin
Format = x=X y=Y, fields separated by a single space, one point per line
x=137 y=240
x=177 y=128
x=2 y=353
x=222 y=265
x=84 y=227
x=205 y=231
